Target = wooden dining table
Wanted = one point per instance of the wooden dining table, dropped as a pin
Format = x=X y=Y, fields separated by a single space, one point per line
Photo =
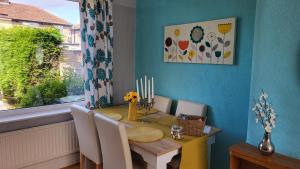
x=159 y=153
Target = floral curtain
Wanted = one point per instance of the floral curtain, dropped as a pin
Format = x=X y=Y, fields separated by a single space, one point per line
x=97 y=51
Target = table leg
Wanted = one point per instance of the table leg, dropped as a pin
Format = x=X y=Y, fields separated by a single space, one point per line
x=234 y=162
x=211 y=140
x=153 y=161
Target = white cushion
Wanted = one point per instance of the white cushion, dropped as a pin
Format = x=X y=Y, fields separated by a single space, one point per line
x=114 y=143
x=190 y=108
x=87 y=134
x=162 y=104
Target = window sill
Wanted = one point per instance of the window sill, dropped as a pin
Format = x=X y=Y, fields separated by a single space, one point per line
x=11 y=120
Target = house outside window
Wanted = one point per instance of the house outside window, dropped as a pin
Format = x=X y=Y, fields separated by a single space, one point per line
x=40 y=55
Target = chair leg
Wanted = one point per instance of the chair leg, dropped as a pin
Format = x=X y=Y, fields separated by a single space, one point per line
x=99 y=166
x=82 y=161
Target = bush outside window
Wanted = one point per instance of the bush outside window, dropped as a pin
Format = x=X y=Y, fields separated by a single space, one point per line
x=40 y=64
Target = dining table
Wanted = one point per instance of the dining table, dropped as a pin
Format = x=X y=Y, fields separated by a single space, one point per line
x=157 y=154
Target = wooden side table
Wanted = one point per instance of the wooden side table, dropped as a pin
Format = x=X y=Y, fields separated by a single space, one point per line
x=246 y=156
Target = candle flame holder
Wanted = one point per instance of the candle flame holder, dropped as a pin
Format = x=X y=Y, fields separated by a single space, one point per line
x=144 y=104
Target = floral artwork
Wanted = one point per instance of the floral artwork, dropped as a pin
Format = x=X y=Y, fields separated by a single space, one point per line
x=210 y=42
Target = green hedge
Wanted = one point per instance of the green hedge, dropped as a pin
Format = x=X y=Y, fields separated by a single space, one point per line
x=29 y=59
x=44 y=94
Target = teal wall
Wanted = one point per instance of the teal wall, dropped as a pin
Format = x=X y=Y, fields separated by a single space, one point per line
x=276 y=69
x=224 y=88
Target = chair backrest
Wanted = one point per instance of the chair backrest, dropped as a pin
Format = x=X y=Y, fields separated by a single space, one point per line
x=190 y=108
x=162 y=104
x=89 y=143
x=114 y=142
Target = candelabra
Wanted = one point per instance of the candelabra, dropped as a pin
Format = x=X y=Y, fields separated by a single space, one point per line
x=144 y=103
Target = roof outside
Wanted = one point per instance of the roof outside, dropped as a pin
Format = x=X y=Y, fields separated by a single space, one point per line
x=30 y=13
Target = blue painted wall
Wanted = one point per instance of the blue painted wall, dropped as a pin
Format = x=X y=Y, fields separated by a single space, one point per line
x=276 y=69
x=224 y=88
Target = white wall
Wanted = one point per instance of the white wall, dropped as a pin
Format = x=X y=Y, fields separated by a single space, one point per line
x=124 y=50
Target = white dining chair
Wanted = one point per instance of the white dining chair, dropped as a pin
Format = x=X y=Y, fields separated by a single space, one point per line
x=162 y=104
x=89 y=143
x=191 y=108
x=114 y=142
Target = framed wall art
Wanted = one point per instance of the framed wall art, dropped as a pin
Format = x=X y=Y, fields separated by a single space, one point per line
x=209 y=42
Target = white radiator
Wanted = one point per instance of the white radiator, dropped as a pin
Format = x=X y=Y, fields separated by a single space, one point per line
x=29 y=147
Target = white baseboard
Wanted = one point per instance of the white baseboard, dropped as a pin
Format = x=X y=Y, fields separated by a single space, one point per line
x=56 y=163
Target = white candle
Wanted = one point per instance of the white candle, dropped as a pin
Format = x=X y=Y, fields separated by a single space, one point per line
x=137 y=90
x=146 y=87
x=149 y=95
x=152 y=88
x=142 y=88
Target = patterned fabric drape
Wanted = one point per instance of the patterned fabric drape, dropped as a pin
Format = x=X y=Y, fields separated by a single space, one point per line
x=97 y=51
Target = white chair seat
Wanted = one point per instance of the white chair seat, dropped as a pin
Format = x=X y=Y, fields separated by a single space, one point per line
x=162 y=104
x=190 y=108
x=89 y=143
x=115 y=147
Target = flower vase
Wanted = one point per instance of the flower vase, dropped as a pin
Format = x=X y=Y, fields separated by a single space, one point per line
x=132 y=112
x=266 y=147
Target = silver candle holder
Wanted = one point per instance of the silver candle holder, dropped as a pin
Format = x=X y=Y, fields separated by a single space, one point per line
x=144 y=104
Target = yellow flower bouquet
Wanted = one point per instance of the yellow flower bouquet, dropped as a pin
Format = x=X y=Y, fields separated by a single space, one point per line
x=132 y=98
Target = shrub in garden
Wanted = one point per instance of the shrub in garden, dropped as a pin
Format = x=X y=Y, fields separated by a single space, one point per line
x=27 y=57
x=31 y=98
x=51 y=90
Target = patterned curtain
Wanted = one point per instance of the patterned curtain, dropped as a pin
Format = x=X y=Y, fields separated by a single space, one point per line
x=97 y=51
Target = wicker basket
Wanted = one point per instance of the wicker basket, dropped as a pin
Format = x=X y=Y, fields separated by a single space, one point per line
x=192 y=125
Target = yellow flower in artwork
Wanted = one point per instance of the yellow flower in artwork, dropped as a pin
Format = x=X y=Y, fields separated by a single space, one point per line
x=177 y=32
x=227 y=54
x=224 y=28
x=192 y=53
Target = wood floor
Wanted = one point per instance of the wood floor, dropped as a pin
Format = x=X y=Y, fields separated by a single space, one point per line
x=76 y=166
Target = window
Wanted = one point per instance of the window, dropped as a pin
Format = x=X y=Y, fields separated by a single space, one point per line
x=40 y=54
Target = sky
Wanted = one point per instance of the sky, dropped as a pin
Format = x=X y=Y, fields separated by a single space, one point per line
x=64 y=9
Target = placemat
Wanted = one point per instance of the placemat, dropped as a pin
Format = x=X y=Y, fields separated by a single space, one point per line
x=144 y=134
x=114 y=116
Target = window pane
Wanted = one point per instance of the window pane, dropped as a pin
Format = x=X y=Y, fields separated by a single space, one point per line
x=40 y=53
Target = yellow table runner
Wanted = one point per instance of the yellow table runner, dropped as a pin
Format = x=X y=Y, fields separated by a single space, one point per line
x=194 y=149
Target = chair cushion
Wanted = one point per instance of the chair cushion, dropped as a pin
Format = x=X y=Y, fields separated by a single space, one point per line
x=31 y=120
x=162 y=104
x=191 y=108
